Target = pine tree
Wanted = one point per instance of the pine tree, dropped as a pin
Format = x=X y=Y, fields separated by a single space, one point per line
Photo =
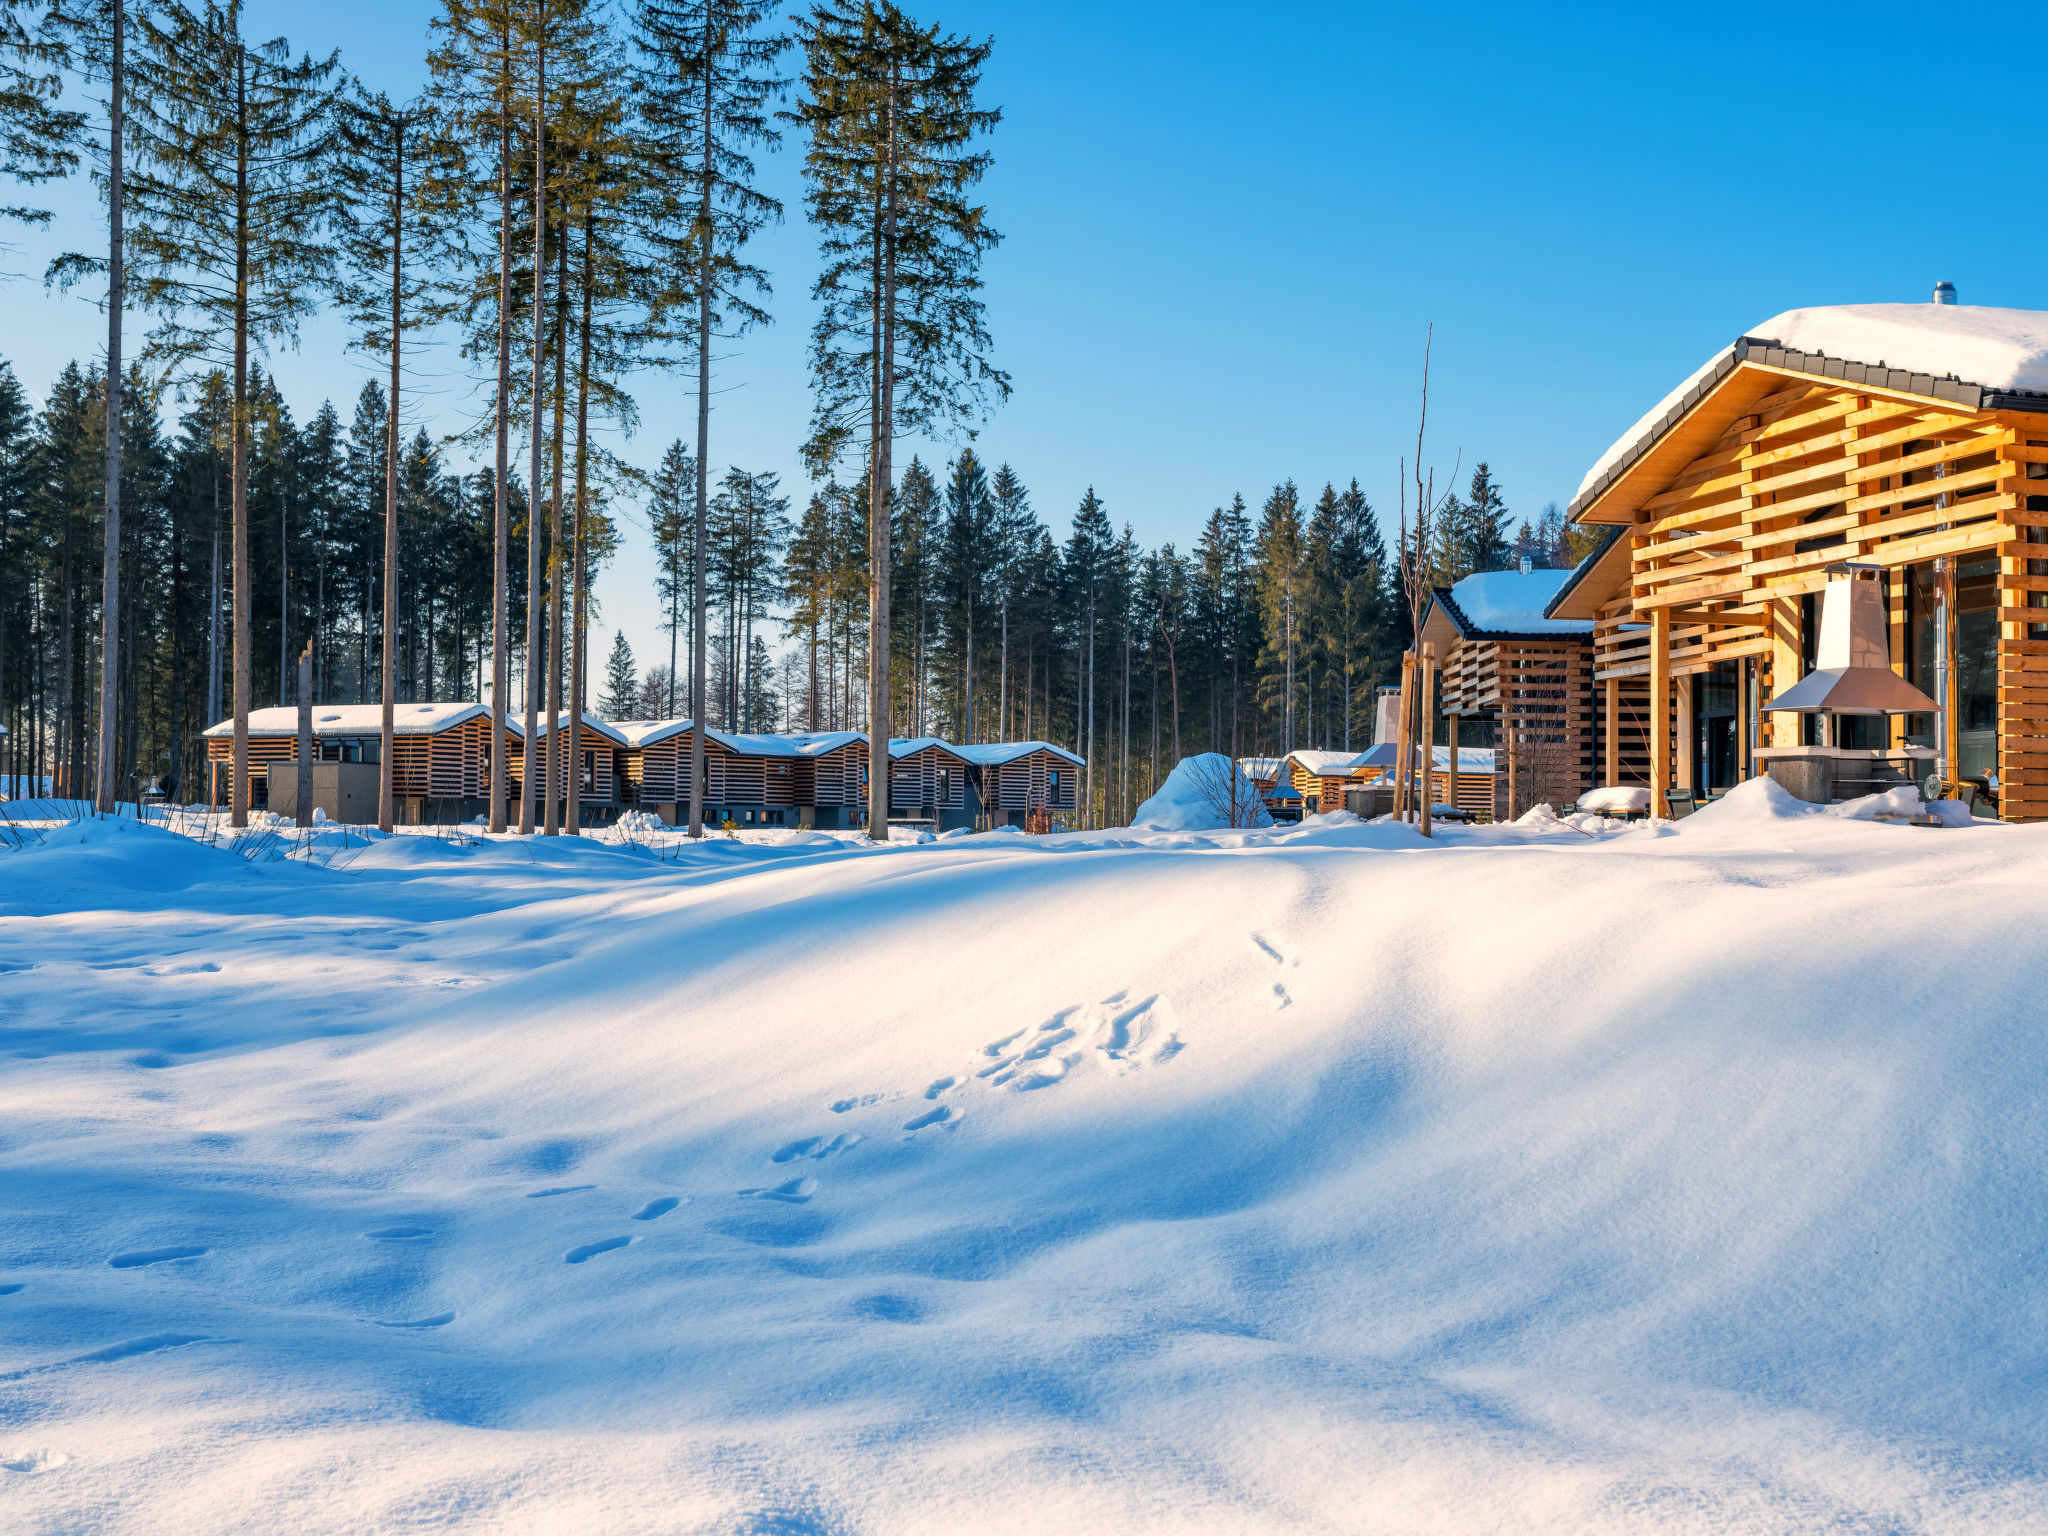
x=671 y=494
x=227 y=225
x=38 y=139
x=1483 y=524
x=1016 y=534
x=1283 y=605
x=900 y=344
x=706 y=78
x=377 y=161
x=621 y=686
x=914 y=558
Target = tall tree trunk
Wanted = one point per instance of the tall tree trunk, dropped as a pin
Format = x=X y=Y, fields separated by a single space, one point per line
x=535 y=665
x=501 y=539
x=387 y=769
x=238 y=492
x=110 y=576
x=558 y=765
x=699 y=661
x=881 y=478
x=579 y=668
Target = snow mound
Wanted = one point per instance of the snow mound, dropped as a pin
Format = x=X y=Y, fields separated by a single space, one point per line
x=1616 y=798
x=1205 y=793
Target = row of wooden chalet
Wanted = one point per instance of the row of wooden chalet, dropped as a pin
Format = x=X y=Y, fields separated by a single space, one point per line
x=821 y=779
x=441 y=766
x=1882 y=457
x=440 y=760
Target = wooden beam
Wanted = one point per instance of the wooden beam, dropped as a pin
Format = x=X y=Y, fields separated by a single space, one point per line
x=1660 y=712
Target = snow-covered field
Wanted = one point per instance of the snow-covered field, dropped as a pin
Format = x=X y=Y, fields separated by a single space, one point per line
x=1670 y=1179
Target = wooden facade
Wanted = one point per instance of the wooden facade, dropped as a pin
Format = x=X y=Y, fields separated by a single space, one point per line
x=1723 y=517
x=601 y=773
x=440 y=752
x=1019 y=781
x=1526 y=679
x=818 y=779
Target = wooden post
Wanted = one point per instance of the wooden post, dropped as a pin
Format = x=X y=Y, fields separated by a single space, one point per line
x=1612 y=743
x=305 y=817
x=1428 y=730
x=1686 y=737
x=1509 y=720
x=1743 y=668
x=1404 y=763
x=1660 y=711
x=1453 y=795
x=1784 y=666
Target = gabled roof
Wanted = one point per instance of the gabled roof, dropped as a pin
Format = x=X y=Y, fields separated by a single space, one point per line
x=516 y=724
x=910 y=746
x=645 y=733
x=993 y=754
x=1977 y=357
x=1324 y=765
x=1499 y=605
x=356 y=719
x=1594 y=579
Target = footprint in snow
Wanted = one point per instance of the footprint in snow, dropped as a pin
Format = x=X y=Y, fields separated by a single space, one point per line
x=147 y=1256
x=940 y=1087
x=33 y=1461
x=795 y=1192
x=11 y=1289
x=815 y=1147
x=589 y=1251
x=843 y=1105
x=566 y=1189
x=944 y=1115
x=653 y=1210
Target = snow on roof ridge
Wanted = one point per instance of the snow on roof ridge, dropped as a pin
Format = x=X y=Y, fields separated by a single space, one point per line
x=356 y=719
x=1993 y=348
x=1512 y=603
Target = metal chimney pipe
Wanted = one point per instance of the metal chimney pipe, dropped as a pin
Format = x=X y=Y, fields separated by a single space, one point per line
x=1944 y=292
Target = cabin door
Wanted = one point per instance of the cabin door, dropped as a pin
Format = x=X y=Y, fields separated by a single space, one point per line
x=1718 y=727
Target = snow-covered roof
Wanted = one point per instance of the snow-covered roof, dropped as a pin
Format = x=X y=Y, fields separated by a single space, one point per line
x=356 y=719
x=1325 y=765
x=1973 y=345
x=993 y=754
x=1260 y=767
x=1478 y=761
x=645 y=733
x=516 y=724
x=910 y=746
x=1508 y=603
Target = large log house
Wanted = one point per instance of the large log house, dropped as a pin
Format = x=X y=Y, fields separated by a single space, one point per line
x=1903 y=436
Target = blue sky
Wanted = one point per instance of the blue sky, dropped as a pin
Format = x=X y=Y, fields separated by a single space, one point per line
x=1229 y=227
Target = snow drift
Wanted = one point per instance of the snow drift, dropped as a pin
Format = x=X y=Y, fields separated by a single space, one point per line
x=1312 y=1179
x=1204 y=793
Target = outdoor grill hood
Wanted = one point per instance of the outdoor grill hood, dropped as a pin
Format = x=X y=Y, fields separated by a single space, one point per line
x=1854 y=675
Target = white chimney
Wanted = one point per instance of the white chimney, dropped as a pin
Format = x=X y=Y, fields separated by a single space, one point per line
x=1387 y=719
x=1527 y=565
x=1944 y=292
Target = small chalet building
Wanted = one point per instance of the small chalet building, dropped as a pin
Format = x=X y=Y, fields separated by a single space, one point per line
x=602 y=770
x=928 y=782
x=1321 y=778
x=440 y=760
x=818 y=779
x=1015 y=781
x=1899 y=443
x=1525 y=679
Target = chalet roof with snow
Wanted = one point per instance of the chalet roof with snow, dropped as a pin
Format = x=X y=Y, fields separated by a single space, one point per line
x=516 y=724
x=646 y=733
x=1973 y=355
x=1324 y=765
x=1499 y=605
x=1478 y=761
x=910 y=746
x=356 y=720
x=993 y=754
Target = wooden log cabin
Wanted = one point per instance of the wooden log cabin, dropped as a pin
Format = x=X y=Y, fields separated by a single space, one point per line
x=928 y=782
x=1022 y=783
x=601 y=774
x=1517 y=681
x=1321 y=778
x=1908 y=437
x=817 y=779
x=440 y=760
